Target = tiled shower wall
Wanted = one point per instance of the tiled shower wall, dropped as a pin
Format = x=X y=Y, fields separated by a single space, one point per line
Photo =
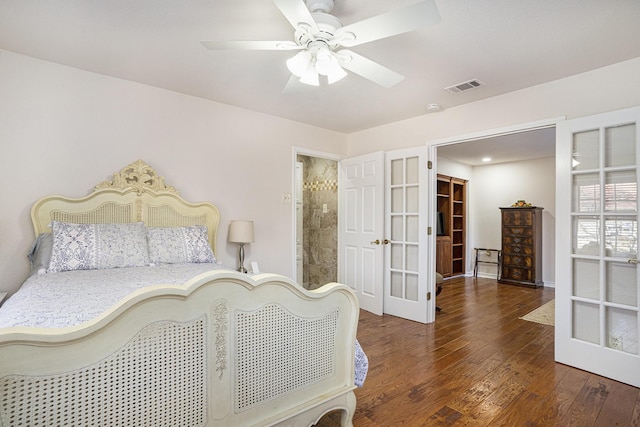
x=320 y=221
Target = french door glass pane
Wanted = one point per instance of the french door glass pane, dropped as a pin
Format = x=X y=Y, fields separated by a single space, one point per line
x=397 y=261
x=622 y=330
x=586 y=193
x=621 y=236
x=586 y=150
x=621 y=191
x=413 y=168
x=412 y=228
x=397 y=229
x=620 y=146
x=413 y=199
x=397 y=172
x=586 y=278
x=622 y=283
x=412 y=260
x=586 y=322
x=586 y=235
x=396 y=284
x=412 y=287
x=397 y=200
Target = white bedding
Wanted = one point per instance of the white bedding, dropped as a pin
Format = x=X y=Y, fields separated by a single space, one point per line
x=80 y=296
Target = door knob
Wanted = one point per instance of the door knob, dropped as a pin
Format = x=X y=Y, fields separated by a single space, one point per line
x=386 y=241
x=376 y=242
x=633 y=261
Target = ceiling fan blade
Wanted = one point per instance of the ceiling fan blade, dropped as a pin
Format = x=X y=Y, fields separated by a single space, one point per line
x=368 y=69
x=296 y=13
x=250 y=45
x=389 y=24
x=293 y=85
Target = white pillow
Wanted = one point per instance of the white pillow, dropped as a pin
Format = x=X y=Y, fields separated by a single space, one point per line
x=98 y=246
x=178 y=245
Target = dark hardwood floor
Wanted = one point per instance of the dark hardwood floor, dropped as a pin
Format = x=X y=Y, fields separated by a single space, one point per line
x=479 y=365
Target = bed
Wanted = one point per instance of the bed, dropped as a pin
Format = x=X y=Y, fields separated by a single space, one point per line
x=120 y=339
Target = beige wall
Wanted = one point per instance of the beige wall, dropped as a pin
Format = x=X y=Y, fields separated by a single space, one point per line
x=63 y=130
x=493 y=186
x=606 y=89
x=598 y=91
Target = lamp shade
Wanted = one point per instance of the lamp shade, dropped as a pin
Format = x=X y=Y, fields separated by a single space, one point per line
x=241 y=232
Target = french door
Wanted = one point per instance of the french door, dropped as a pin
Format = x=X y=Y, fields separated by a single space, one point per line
x=405 y=288
x=597 y=275
x=383 y=250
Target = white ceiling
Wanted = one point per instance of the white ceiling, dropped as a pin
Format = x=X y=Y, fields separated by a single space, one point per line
x=513 y=147
x=507 y=44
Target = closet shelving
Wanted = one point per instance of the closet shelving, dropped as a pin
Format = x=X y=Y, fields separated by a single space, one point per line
x=451 y=239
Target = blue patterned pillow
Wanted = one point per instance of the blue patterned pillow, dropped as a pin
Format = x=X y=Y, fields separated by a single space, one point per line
x=98 y=246
x=177 y=245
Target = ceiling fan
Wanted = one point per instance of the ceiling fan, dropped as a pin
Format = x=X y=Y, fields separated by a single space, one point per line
x=320 y=39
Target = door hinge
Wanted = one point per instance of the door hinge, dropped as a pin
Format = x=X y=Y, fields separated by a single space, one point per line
x=429 y=231
x=428 y=296
x=429 y=164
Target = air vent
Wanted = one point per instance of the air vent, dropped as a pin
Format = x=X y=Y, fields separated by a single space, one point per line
x=464 y=86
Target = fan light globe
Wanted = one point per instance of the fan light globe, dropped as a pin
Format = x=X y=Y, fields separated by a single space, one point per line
x=327 y=64
x=310 y=77
x=324 y=61
x=299 y=63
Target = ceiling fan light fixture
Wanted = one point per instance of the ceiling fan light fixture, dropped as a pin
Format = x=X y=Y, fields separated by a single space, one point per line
x=321 y=38
x=337 y=73
x=299 y=63
x=325 y=61
x=310 y=77
x=327 y=64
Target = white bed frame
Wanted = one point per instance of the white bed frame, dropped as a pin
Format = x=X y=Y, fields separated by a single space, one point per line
x=224 y=349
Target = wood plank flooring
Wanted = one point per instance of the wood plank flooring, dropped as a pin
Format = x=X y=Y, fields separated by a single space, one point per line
x=479 y=365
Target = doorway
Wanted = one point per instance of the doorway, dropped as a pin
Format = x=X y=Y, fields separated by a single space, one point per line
x=317 y=220
x=522 y=167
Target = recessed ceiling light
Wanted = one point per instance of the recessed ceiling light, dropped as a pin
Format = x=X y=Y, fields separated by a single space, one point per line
x=486 y=159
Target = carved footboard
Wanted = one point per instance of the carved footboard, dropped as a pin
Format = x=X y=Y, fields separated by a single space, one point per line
x=222 y=350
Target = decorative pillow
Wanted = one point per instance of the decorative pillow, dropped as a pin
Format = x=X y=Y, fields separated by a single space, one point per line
x=40 y=253
x=98 y=246
x=179 y=245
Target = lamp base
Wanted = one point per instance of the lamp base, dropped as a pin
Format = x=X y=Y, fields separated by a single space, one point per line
x=241 y=269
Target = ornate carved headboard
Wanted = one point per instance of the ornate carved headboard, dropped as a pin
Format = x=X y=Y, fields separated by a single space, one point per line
x=136 y=193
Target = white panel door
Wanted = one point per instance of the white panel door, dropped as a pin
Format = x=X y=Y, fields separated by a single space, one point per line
x=362 y=227
x=406 y=259
x=597 y=298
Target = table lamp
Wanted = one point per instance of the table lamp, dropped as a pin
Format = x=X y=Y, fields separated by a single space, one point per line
x=241 y=232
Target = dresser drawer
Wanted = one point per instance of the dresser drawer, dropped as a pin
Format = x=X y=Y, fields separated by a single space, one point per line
x=518 y=217
x=517 y=231
x=517 y=274
x=518 y=240
x=511 y=260
x=518 y=249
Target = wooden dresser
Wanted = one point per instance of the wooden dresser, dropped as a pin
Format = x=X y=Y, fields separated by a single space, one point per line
x=522 y=246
